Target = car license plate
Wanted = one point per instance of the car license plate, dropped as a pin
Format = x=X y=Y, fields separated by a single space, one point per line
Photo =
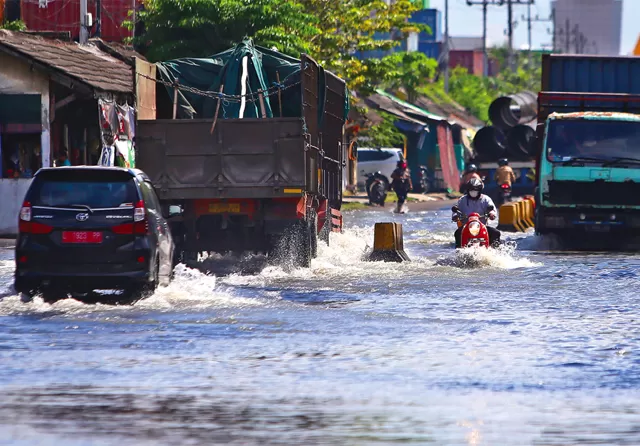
x=219 y=208
x=81 y=237
x=599 y=228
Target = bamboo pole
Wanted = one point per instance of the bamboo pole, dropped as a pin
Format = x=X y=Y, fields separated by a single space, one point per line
x=215 y=117
x=175 y=100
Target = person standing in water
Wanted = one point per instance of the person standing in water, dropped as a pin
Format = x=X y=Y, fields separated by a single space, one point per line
x=401 y=183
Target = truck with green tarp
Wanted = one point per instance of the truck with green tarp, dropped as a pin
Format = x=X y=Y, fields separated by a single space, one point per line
x=245 y=150
x=589 y=159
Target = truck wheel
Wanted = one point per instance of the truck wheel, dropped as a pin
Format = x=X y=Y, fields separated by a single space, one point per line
x=53 y=294
x=302 y=245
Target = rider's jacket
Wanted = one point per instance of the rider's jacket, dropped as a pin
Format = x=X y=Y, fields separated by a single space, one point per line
x=504 y=174
x=468 y=205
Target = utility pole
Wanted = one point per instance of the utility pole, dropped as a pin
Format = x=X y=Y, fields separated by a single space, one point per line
x=98 y=18
x=529 y=32
x=84 y=31
x=446 y=46
x=485 y=4
x=550 y=19
x=510 y=33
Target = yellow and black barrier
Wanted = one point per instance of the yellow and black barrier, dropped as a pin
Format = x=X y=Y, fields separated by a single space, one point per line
x=517 y=216
x=388 y=244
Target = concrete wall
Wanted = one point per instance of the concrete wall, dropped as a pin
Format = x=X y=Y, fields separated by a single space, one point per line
x=16 y=77
x=13 y=192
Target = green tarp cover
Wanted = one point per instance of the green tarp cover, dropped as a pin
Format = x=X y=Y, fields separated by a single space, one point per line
x=208 y=74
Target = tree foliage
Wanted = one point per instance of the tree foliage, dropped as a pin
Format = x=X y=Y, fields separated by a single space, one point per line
x=16 y=25
x=406 y=70
x=198 y=28
x=349 y=28
x=334 y=32
x=384 y=134
x=476 y=93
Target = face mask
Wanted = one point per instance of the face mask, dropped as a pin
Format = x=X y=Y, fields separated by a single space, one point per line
x=474 y=193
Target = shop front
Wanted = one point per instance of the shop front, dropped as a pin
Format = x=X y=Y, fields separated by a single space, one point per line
x=24 y=137
x=51 y=104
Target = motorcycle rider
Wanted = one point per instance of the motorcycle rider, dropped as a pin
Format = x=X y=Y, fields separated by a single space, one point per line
x=471 y=172
x=504 y=173
x=475 y=201
x=401 y=183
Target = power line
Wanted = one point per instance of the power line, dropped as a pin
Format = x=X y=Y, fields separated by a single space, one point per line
x=485 y=4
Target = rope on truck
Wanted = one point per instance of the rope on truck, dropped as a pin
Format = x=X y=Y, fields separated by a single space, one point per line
x=276 y=88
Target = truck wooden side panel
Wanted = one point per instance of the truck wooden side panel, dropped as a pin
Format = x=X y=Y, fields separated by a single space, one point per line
x=243 y=158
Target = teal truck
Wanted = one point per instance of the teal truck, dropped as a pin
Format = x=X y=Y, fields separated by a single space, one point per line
x=588 y=131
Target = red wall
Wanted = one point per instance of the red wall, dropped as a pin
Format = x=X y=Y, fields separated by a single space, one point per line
x=472 y=61
x=64 y=15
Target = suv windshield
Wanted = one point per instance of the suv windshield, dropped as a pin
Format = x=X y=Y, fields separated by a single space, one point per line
x=588 y=138
x=95 y=189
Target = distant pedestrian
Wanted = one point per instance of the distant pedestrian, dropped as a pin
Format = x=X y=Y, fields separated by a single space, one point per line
x=63 y=158
x=401 y=183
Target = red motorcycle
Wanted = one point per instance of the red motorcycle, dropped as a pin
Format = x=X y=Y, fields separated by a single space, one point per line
x=474 y=232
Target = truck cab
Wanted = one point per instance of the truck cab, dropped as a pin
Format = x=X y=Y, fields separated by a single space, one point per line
x=589 y=172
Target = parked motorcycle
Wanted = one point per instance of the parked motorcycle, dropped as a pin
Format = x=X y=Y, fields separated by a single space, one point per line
x=376 y=186
x=474 y=232
x=425 y=183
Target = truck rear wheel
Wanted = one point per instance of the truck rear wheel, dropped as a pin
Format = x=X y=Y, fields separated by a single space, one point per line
x=302 y=244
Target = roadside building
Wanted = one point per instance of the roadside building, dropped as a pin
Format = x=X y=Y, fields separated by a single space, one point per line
x=587 y=26
x=466 y=52
x=50 y=92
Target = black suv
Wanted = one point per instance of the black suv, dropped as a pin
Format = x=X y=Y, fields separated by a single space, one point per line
x=90 y=228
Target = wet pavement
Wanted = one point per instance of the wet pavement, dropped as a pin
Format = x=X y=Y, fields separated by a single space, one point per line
x=519 y=346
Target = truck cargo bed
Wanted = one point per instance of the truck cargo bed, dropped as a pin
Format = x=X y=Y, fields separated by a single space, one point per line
x=243 y=158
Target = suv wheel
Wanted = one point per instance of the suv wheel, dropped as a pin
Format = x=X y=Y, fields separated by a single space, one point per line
x=146 y=289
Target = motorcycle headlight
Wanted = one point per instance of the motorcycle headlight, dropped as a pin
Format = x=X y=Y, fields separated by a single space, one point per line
x=474 y=228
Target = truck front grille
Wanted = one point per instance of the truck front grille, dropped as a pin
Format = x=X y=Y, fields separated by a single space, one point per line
x=594 y=193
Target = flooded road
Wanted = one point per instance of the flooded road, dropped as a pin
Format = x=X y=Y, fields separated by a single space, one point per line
x=517 y=347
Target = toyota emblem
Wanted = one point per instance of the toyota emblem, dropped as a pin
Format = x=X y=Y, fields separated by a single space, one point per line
x=82 y=217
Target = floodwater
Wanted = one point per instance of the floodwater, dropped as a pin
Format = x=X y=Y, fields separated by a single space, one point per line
x=524 y=346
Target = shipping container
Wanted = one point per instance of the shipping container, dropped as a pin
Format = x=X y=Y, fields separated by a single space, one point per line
x=430 y=49
x=590 y=74
x=433 y=19
x=64 y=16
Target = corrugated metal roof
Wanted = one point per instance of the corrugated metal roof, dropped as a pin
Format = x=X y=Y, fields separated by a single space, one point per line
x=86 y=63
x=425 y=113
x=465 y=43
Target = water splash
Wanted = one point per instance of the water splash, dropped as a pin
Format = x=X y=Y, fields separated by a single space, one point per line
x=504 y=257
x=190 y=290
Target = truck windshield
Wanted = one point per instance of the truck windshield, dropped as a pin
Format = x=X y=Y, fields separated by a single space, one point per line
x=593 y=139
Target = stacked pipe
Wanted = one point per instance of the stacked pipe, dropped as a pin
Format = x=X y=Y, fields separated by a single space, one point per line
x=512 y=134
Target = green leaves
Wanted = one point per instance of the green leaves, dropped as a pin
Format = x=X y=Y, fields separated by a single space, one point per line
x=16 y=25
x=199 y=28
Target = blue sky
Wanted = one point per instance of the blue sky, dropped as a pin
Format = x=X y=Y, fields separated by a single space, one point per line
x=467 y=21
